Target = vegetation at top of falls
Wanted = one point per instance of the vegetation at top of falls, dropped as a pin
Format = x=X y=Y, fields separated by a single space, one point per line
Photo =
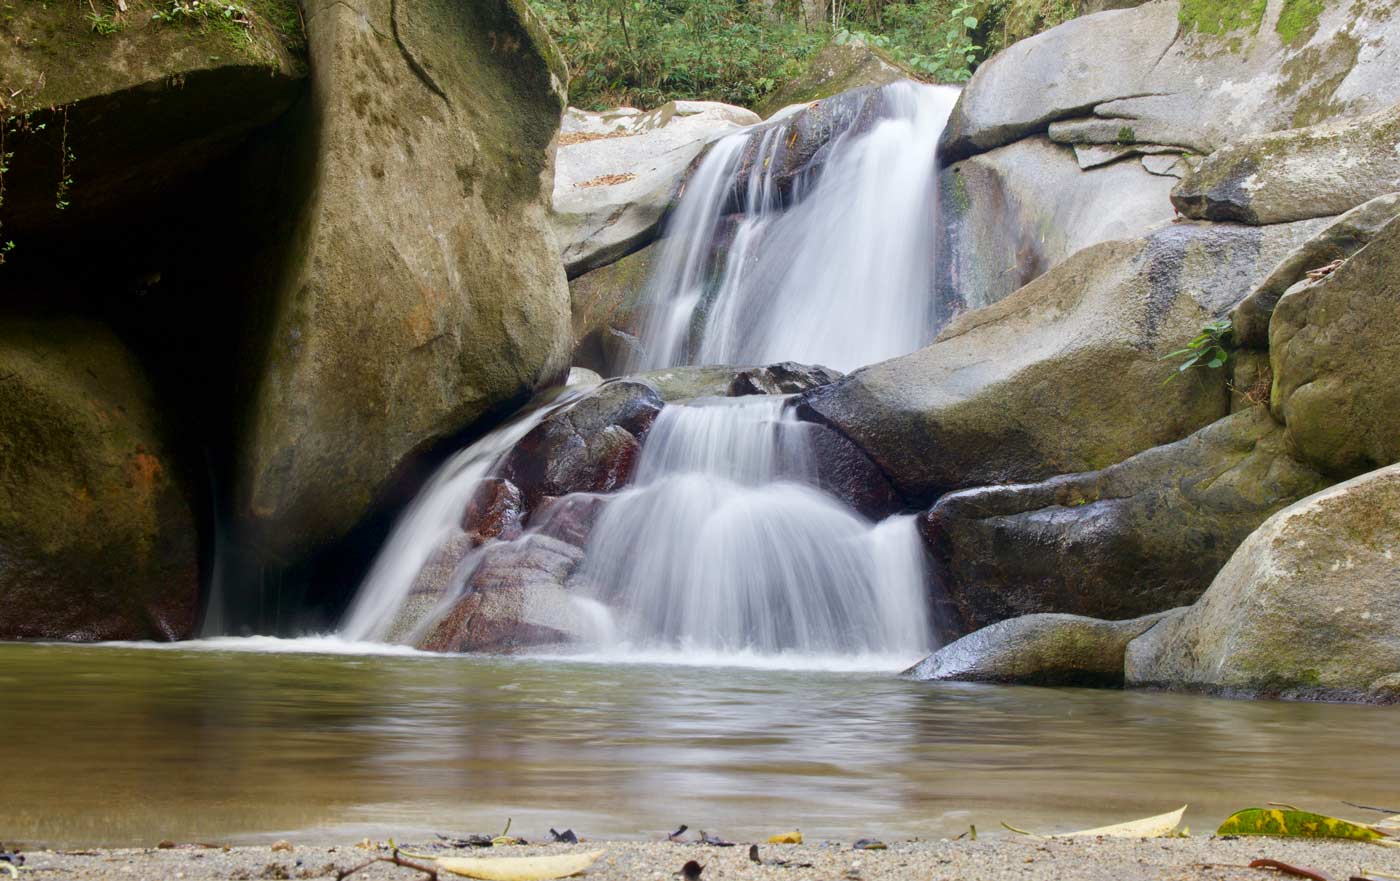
x=647 y=52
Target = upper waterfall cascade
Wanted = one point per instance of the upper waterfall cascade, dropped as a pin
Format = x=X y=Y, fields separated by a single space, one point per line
x=723 y=540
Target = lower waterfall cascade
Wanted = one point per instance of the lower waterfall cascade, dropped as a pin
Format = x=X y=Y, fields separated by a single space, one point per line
x=723 y=541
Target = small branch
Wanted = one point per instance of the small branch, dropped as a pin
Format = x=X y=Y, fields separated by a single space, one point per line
x=396 y=860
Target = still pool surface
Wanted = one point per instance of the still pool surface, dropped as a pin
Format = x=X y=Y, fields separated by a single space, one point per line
x=105 y=745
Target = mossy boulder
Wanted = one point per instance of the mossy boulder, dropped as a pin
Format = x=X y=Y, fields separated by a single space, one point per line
x=783 y=378
x=1142 y=536
x=1196 y=74
x=421 y=287
x=97 y=539
x=836 y=68
x=1065 y=375
x=1318 y=171
x=1335 y=351
x=608 y=313
x=1045 y=649
x=1339 y=240
x=1307 y=608
x=96 y=118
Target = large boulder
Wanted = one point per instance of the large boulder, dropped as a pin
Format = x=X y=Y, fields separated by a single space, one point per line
x=1307 y=608
x=836 y=68
x=97 y=539
x=102 y=106
x=590 y=446
x=617 y=174
x=1046 y=649
x=1142 y=536
x=783 y=378
x=1318 y=171
x=1064 y=375
x=1187 y=74
x=422 y=287
x=1343 y=237
x=1335 y=351
x=1012 y=213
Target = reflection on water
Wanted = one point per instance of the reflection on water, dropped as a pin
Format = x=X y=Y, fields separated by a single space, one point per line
x=103 y=745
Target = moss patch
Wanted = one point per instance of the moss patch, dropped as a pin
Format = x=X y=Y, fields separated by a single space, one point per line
x=1222 y=16
x=1298 y=20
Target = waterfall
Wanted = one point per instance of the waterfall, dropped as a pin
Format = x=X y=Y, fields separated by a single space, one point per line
x=838 y=272
x=723 y=541
x=723 y=544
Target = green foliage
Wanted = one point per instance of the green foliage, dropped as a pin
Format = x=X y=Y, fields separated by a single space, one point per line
x=926 y=37
x=104 y=23
x=1297 y=18
x=1206 y=349
x=647 y=52
x=1221 y=16
x=1126 y=135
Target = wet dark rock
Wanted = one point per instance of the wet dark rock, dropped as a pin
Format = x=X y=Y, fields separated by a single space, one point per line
x=783 y=378
x=495 y=511
x=515 y=599
x=590 y=447
x=1142 y=536
x=847 y=473
x=569 y=519
x=1044 y=649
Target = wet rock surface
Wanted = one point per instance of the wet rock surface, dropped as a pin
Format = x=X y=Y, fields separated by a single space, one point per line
x=1142 y=536
x=1043 y=649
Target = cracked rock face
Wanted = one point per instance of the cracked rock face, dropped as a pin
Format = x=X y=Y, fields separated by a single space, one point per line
x=1145 y=75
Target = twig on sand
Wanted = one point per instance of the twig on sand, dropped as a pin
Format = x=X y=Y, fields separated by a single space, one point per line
x=394 y=858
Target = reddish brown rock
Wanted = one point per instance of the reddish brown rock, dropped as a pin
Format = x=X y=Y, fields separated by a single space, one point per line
x=495 y=511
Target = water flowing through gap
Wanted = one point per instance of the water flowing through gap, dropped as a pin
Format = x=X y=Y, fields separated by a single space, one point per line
x=723 y=544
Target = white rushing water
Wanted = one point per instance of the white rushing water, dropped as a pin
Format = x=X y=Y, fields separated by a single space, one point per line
x=842 y=278
x=724 y=546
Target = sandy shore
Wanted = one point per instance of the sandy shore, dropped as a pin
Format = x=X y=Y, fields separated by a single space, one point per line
x=990 y=858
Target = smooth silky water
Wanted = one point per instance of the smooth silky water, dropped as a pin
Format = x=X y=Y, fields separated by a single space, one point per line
x=110 y=745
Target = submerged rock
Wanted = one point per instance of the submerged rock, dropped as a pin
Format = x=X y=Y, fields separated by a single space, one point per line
x=591 y=446
x=1064 y=375
x=1166 y=73
x=423 y=287
x=97 y=539
x=1335 y=351
x=1307 y=608
x=1318 y=171
x=1142 y=536
x=1044 y=649
x=617 y=173
x=1343 y=237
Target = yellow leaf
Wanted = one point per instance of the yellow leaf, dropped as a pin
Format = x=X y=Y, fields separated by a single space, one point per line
x=1302 y=824
x=793 y=837
x=1160 y=826
x=520 y=868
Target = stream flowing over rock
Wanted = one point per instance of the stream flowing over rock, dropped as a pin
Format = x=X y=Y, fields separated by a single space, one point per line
x=424 y=287
x=97 y=539
x=618 y=172
x=1308 y=607
x=1142 y=536
x=1335 y=351
x=1064 y=375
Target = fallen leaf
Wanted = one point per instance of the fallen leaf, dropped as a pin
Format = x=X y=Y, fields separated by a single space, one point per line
x=1302 y=824
x=678 y=833
x=1300 y=871
x=793 y=837
x=283 y=845
x=869 y=844
x=1160 y=826
x=714 y=840
x=520 y=868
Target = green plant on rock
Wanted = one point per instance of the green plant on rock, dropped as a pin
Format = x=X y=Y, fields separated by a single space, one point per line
x=103 y=23
x=1209 y=348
